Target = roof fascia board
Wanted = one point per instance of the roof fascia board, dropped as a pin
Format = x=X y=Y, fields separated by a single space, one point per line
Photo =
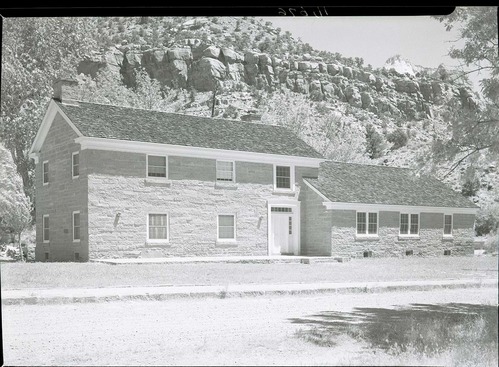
x=194 y=152
x=399 y=208
x=326 y=200
x=50 y=114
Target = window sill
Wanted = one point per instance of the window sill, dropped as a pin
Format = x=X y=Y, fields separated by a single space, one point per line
x=283 y=191
x=75 y=177
x=157 y=181
x=366 y=237
x=226 y=185
x=449 y=238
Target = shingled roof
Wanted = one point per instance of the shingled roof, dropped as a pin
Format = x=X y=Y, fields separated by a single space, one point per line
x=367 y=184
x=114 y=122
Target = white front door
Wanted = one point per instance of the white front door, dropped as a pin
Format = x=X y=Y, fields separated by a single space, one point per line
x=281 y=231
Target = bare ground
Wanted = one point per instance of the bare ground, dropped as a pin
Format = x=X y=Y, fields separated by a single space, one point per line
x=235 y=331
x=95 y=275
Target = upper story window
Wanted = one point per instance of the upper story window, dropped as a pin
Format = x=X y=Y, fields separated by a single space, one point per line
x=225 y=171
x=157 y=227
x=447 y=224
x=409 y=224
x=282 y=177
x=75 y=164
x=76 y=226
x=45 y=172
x=226 y=227
x=45 y=228
x=367 y=223
x=156 y=166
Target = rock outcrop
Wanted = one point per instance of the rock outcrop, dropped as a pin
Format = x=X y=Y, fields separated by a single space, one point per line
x=203 y=67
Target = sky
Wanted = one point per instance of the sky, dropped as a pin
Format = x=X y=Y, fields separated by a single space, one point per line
x=420 y=39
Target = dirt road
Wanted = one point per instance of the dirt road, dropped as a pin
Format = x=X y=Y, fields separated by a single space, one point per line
x=247 y=331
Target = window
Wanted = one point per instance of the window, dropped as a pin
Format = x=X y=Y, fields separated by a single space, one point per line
x=409 y=224
x=156 y=166
x=409 y=252
x=368 y=254
x=45 y=225
x=290 y=225
x=77 y=256
x=46 y=256
x=75 y=164
x=367 y=223
x=45 y=169
x=226 y=227
x=446 y=252
x=158 y=227
x=225 y=171
x=447 y=225
x=76 y=226
x=279 y=209
x=283 y=177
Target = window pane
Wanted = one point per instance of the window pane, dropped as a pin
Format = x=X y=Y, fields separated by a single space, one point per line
x=404 y=223
x=76 y=219
x=226 y=226
x=373 y=223
x=414 y=223
x=76 y=233
x=225 y=171
x=76 y=158
x=76 y=164
x=158 y=226
x=45 y=172
x=283 y=177
x=226 y=220
x=447 y=224
x=290 y=225
x=156 y=166
x=46 y=228
x=361 y=223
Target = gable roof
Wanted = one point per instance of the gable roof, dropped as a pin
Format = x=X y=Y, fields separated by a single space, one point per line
x=367 y=184
x=131 y=124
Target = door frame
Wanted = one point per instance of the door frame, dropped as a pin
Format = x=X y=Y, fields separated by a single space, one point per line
x=285 y=202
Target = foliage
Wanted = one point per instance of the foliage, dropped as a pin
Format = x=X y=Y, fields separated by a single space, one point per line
x=375 y=145
x=487 y=220
x=477 y=129
x=398 y=137
x=15 y=206
x=35 y=51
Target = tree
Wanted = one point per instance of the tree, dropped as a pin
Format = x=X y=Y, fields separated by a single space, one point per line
x=374 y=142
x=36 y=51
x=15 y=206
x=474 y=130
x=398 y=137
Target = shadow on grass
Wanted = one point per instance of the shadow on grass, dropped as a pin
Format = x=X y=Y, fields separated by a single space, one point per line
x=419 y=328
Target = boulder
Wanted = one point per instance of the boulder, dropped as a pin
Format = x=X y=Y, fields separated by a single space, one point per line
x=205 y=73
x=184 y=54
x=333 y=69
x=250 y=72
x=426 y=91
x=251 y=57
x=406 y=86
x=353 y=96
x=211 y=51
x=347 y=72
x=315 y=89
x=322 y=68
x=264 y=60
x=305 y=66
x=230 y=56
x=367 y=100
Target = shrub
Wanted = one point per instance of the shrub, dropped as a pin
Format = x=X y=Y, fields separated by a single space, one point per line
x=374 y=143
x=470 y=186
x=399 y=139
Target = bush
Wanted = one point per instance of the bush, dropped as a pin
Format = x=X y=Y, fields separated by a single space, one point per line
x=470 y=186
x=374 y=143
x=399 y=139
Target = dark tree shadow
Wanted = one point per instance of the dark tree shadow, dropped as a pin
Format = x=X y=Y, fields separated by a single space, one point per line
x=425 y=328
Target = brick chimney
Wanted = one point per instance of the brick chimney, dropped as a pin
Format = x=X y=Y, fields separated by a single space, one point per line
x=65 y=91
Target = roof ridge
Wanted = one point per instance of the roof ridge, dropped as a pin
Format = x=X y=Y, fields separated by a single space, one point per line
x=181 y=114
x=369 y=165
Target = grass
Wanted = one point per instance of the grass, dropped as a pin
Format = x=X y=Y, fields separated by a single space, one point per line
x=92 y=275
x=449 y=334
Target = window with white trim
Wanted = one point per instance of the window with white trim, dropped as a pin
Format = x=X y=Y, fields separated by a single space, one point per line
x=76 y=226
x=45 y=228
x=367 y=223
x=447 y=224
x=156 y=166
x=283 y=177
x=75 y=164
x=225 y=171
x=157 y=227
x=409 y=224
x=45 y=172
x=226 y=227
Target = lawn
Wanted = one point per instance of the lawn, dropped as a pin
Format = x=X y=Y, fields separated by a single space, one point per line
x=93 y=275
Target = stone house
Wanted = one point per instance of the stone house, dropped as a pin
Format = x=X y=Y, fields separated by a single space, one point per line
x=123 y=182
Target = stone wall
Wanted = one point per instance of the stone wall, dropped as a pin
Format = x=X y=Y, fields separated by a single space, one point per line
x=315 y=224
x=61 y=196
x=119 y=207
x=388 y=243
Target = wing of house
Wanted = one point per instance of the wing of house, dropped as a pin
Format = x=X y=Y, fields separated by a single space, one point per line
x=116 y=182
